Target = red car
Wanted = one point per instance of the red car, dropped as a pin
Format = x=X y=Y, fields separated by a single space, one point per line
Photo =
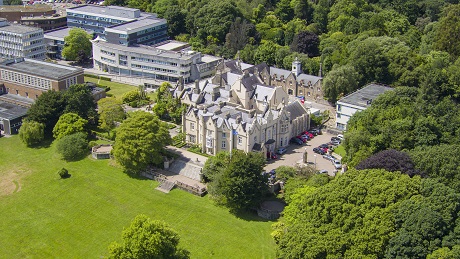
x=308 y=134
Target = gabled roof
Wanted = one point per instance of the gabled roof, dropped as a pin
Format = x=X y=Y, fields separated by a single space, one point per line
x=308 y=78
x=279 y=72
x=250 y=82
x=295 y=109
x=262 y=91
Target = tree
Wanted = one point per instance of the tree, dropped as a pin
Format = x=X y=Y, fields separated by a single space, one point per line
x=340 y=81
x=140 y=140
x=239 y=184
x=349 y=217
x=110 y=111
x=448 y=38
x=168 y=107
x=80 y=100
x=306 y=42
x=47 y=109
x=68 y=124
x=241 y=32
x=73 y=147
x=266 y=52
x=392 y=161
x=146 y=238
x=78 y=40
x=31 y=132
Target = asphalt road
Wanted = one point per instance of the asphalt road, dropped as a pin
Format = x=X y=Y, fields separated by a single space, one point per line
x=294 y=154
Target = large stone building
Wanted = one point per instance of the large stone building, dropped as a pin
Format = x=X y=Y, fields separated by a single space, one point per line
x=21 y=41
x=237 y=111
x=168 y=61
x=39 y=15
x=119 y=25
x=294 y=82
x=30 y=78
x=357 y=101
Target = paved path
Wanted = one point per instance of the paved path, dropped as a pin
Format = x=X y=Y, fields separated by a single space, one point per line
x=294 y=154
x=187 y=155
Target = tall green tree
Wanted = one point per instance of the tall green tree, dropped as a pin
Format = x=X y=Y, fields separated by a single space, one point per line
x=340 y=81
x=239 y=184
x=47 y=109
x=448 y=34
x=73 y=147
x=79 y=99
x=146 y=238
x=77 y=45
x=31 y=132
x=69 y=123
x=349 y=217
x=110 y=111
x=140 y=141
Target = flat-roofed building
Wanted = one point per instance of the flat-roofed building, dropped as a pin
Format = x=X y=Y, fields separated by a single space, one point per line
x=119 y=25
x=39 y=15
x=168 y=61
x=30 y=78
x=21 y=41
x=357 y=101
x=11 y=117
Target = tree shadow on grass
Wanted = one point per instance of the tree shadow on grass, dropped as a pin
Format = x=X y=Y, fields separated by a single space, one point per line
x=46 y=143
x=271 y=203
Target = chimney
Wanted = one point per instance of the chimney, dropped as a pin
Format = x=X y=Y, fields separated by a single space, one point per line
x=245 y=74
x=320 y=72
x=217 y=111
x=215 y=93
x=197 y=86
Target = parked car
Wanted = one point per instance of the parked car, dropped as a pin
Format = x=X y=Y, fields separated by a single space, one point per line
x=305 y=137
x=324 y=146
x=335 y=143
x=309 y=134
x=295 y=140
x=340 y=136
x=274 y=156
x=315 y=132
x=318 y=150
x=329 y=157
x=303 y=140
x=281 y=150
x=336 y=139
x=322 y=172
x=337 y=164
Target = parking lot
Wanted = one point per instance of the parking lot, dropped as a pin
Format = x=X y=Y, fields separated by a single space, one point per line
x=294 y=154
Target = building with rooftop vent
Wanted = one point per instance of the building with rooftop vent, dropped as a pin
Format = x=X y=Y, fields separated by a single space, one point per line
x=21 y=41
x=166 y=61
x=29 y=78
x=357 y=101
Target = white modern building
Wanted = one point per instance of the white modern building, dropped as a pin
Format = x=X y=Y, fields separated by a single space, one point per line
x=357 y=101
x=167 y=61
x=21 y=41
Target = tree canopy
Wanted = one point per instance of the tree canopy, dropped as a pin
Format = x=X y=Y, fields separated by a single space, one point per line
x=236 y=181
x=31 y=132
x=69 y=123
x=140 y=141
x=73 y=147
x=146 y=238
x=77 y=46
x=110 y=111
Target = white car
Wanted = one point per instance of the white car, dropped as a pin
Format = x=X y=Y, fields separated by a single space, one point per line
x=340 y=136
x=337 y=164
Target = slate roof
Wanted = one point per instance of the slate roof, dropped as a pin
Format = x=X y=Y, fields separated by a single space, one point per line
x=296 y=109
x=364 y=96
x=279 y=72
x=308 y=78
x=11 y=111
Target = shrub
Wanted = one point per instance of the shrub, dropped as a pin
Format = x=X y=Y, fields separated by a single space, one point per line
x=92 y=144
x=64 y=173
x=73 y=147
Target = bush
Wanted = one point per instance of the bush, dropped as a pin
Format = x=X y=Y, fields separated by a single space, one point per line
x=133 y=104
x=64 y=173
x=92 y=144
x=73 y=147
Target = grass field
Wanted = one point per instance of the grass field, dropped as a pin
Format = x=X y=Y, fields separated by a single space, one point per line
x=340 y=150
x=45 y=217
x=116 y=89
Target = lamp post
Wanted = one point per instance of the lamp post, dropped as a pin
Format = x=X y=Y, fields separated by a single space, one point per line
x=315 y=161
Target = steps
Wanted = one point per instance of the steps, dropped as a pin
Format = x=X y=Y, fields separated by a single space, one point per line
x=166 y=186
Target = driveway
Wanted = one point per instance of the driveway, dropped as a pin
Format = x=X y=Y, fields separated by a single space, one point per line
x=294 y=154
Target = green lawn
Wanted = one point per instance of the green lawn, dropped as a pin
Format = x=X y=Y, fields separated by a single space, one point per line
x=340 y=150
x=45 y=217
x=116 y=89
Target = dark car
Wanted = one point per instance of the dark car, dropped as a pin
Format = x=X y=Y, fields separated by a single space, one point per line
x=324 y=146
x=296 y=141
x=301 y=139
x=318 y=150
x=336 y=139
